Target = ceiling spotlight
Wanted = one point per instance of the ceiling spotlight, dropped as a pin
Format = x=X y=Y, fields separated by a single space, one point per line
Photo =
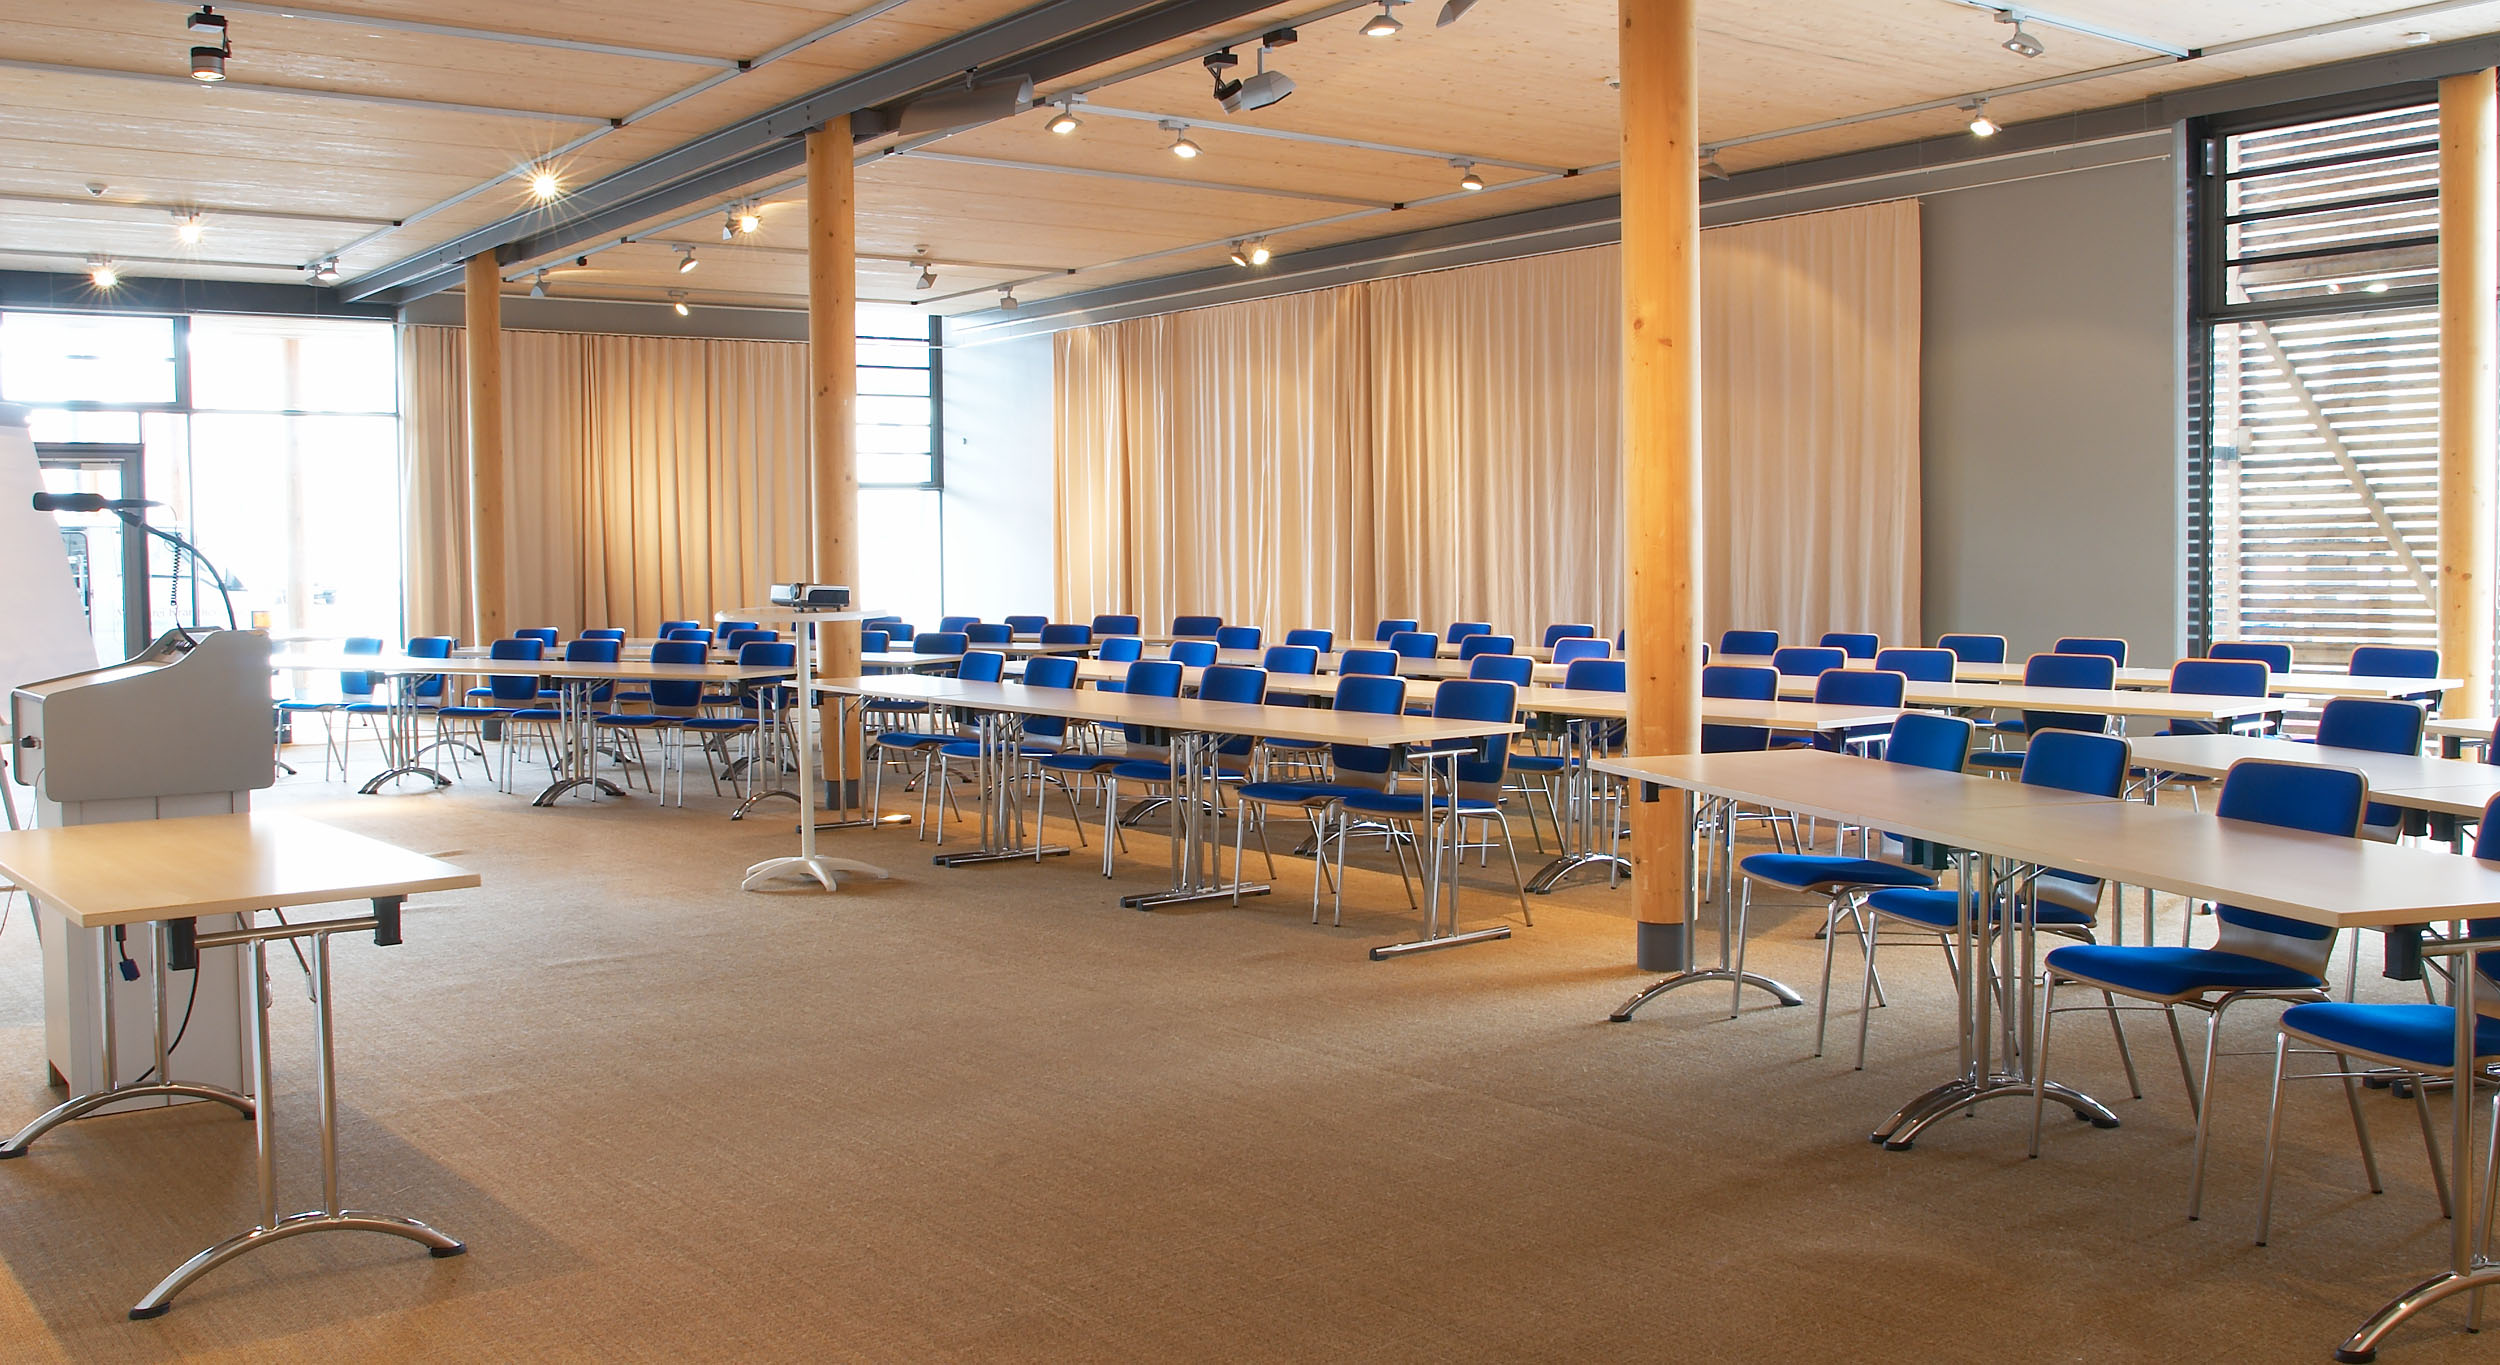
x=1241 y=255
x=543 y=184
x=328 y=271
x=1065 y=121
x=1182 y=147
x=1260 y=90
x=1470 y=180
x=187 y=227
x=750 y=221
x=1259 y=253
x=1452 y=12
x=538 y=287
x=928 y=276
x=1980 y=124
x=1007 y=297
x=210 y=45
x=1383 y=24
x=686 y=260
x=677 y=300
x=2022 y=44
x=1710 y=167
x=729 y=224
x=101 y=273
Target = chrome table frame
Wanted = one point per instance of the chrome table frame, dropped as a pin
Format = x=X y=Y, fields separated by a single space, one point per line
x=1578 y=836
x=1731 y=968
x=403 y=746
x=1441 y=821
x=1198 y=842
x=578 y=761
x=998 y=752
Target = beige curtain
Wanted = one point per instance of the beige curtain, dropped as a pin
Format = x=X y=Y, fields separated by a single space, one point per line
x=1448 y=446
x=647 y=478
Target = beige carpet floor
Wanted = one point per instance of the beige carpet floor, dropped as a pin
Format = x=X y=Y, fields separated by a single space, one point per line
x=987 y=1114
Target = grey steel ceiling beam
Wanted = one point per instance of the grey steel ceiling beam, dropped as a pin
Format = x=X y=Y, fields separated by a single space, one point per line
x=1051 y=39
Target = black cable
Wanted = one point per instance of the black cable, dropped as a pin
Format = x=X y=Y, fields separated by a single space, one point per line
x=185 y=547
x=184 y=1028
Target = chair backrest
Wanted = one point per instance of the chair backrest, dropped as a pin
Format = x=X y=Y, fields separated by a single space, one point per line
x=584 y=650
x=1113 y=623
x=695 y=633
x=741 y=638
x=1929 y=739
x=431 y=646
x=1302 y=659
x=2220 y=677
x=1027 y=625
x=1150 y=678
x=873 y=642
x=1749 y=642
x=1479 y=773
x=1851 y=643
x=667 y=626
x=2487 y=848
x=1049 y=670
x=955 y=623
x=2093 y=644
x=1472 y=645
x=900 y=630
x=724 y=627
x=674 y=694
x=1121 y=649
x=1392 y=625
x=1573 y=648
x=1415 y=644
x=1859 y=687
x=1732 y=682
x=1197 y=625
x=1460 y=630
x=1065 y=633
x=2093 y=671
x=515 y=689
x=1322 y=640
x=988 y=633
x=604 y=633
x=358 y=684
x=1233 y=682
x=545 y=635
x=2276 y=656
x=1567 y=630
x=1516 y=669
x=2393 y=661
x=2303 y=796
x=1595 y=675
x=1367 y=661
x=1808 y=661
x=1375 y=694
x=1918 y=665
x=982 y=665
x=1974 y=649
x=2388 y=726
x=1239 y=637
x=940 y=642
x=2071 y=760
x=1193 y=653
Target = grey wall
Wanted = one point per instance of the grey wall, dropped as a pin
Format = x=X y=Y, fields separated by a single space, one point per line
x=999 y=537
x=2054 y=469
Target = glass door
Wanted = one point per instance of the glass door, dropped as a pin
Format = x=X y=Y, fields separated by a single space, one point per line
x=107 y=558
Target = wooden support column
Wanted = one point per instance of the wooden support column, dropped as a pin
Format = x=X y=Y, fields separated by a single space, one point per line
x=1661 y=444
x=482 y=305
x=2469 y=271
x=833 y=366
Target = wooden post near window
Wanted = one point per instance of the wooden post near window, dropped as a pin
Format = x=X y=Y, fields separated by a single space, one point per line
x=482 y=312
x=1661 y=445
x=833 y=371
x=2469 y=270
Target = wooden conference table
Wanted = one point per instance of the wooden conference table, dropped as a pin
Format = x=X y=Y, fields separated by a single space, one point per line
x=167 y=873
x=1196 y=728
x=2319 y=879
x=2454 y=735
x=2297 y=683
x=2442 y=786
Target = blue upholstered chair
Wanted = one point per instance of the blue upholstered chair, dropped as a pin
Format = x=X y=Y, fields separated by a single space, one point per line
x=1415 y=644
x=505 y=694
x=1193 y=653
x=1567 y=630
x=1065 y=633
x=1239 y=637
x=988 y=633
x=1480 y=642
x=2397 y=661
x=1460 y=630
x=1380 y=661
x=956 y=623
x=1856 y=646
x=1325 y=641
x=2387 y=726
x=1351 y=768
x=1392 y=625
x=355 y=686
x=2256 y=956
x=671 y=701
x=1144 y=753
x=1807 y=661
x=1027 y=625
x=1480 y=765
x=1197 y=625
x=1749 y=642
x=1919 y=740
x=1114 y=623
x=1974 y=649
x=2095 y=672
x=2113 y=649
x=2277 y=657
x=1573 y=648
x=1918 y=665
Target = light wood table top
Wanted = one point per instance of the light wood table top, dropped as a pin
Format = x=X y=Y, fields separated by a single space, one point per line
x=2469 y=729
x=2298 y=683
x=623 y=670
x=2448 y=786
x=2317 y=878
x=1186 y=714
x=135 y=871
x=2092 y=701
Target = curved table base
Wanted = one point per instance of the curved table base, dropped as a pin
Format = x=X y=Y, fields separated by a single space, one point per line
x=1784 y=994
x=2362 y=1346
x=1907 y=1122
x=408 y=770
x=1569 y=865
x=88 y=1104
x=160 y=1298
x=559 y=788
x=814 y=865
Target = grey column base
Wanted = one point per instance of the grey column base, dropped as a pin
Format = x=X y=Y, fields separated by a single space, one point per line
x=1663 y=947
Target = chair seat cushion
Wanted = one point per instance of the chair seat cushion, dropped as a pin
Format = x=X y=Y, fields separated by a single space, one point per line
x=1538 y=763
x=1140 y=770
x=1411 y=804
x=904 y=739
x=538 y=713
x=1295 y=793
x=2419 y=1036
x=633 y=722
x=971 y=748
x=368 y=708
x=1085 y=763
x=311 y=705
x=2174 y=973
x=719 y=724
x=475 y=712
x=1803 y=870
x=1940 y=909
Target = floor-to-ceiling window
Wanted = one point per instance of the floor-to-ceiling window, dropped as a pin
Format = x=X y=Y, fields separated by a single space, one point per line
x=2316 y=479
x=271 y=443
x=901 y=472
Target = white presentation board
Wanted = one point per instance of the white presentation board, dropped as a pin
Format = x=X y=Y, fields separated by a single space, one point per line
x=46 y=635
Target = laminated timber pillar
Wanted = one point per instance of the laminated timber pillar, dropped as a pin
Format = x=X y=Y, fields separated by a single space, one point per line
x=1661 y=448
x=2469 y=257
x=482 y=316
x=833 y=374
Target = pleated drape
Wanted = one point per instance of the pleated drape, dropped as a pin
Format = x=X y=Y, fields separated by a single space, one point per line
x=647 y=478
x=1448 y=445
